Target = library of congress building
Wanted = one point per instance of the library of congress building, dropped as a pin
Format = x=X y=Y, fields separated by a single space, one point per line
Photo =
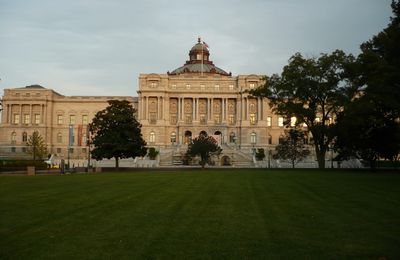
x=173 y=108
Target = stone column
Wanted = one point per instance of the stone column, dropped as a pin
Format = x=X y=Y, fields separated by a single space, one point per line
x=193 y=109
x=147 y=108
x=258 y=109
x=20 y=114
x=7 y=113
x=163 y=108
x=158 y=108
x=223 y=109
x=208 y=109
x=197 y=108
x=212 y=109
x=30 y=114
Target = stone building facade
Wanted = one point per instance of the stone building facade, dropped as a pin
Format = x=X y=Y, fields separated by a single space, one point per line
x=173 y=108
x=35 y=108
x=199 y=97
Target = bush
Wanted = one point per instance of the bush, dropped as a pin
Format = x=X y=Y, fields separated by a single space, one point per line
x=7 y=164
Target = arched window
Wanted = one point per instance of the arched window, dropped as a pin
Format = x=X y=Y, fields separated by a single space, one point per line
x=269 y=139
x=24 y=137
x=173 y=137
x=253 y=138
x=281 y=139
x=232 y=138
x=293 y=120
x=152 y=137
x=13 y=137
x=188 y=137
x=59 y=138
x=203 y=133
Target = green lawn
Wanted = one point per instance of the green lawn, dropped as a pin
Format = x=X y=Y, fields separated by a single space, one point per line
x=209 y=214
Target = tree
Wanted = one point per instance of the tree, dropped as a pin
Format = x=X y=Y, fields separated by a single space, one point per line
x=260 y=154
x=116 y=133
x=205 y=147
x=312 y=90
x=292 y=147
x=363 y=132
x=368 y=127
x=36 y=146
x=152 y=153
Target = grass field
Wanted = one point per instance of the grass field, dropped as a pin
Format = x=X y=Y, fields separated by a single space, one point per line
x=195 y=214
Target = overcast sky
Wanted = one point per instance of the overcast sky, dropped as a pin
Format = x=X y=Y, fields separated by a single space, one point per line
x=99 y=47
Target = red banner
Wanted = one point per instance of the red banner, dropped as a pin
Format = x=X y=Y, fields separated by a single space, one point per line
x=79 y=135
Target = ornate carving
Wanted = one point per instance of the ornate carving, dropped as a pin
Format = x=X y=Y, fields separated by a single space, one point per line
x=173 y=106
x=152 y=104
x=203 y=106
x=217 y=106
x=188 y=106
x=231 y=106
x=253 y=106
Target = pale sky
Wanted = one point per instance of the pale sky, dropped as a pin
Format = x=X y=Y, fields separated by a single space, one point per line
x=99 y=47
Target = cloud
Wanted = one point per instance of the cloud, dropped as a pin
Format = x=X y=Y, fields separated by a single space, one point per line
x=93 y=47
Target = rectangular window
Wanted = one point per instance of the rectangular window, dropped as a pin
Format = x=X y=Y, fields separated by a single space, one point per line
x=173 y=86
x=202 y=87
x=153 y=118
x=84 y=119
x=172 y=119
x=60 y=119
x=24 y=149
x=59 y=150
x=203 y=120
x=16 y=118
x=188 y=119
x=216 y=87
x=187 y=86
x=84 y=150
x=27 y=118
x=293 y=121
x=37 y=119
x=252 y=85
x=13 y=149
x=72 y=120
x=217 y=119
x=230 y=87
x=253 y=119
x=231 y=119
x=269 y=121
x=280 y=121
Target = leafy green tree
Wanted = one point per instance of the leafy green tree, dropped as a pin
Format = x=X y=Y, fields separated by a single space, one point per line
x=36 y=146
x=260 y=154
x=368 y=127
x=363 y=132
x=152 y=153
x=313 y=90
x=205 y=147
x=116 y=133
x=292 y=147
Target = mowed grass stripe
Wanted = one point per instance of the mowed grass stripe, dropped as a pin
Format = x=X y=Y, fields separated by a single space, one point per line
x=201 y=214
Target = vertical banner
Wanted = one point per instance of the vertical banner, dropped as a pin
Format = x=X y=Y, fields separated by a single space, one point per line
x=71 y=135
x=79 y=135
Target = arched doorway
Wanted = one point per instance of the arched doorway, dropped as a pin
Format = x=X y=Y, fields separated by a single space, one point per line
x=226 y=161
x=218 y=137
x=203 y=133
x=188 y=137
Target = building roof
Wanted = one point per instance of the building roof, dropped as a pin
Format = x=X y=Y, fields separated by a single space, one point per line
x=199 y=62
